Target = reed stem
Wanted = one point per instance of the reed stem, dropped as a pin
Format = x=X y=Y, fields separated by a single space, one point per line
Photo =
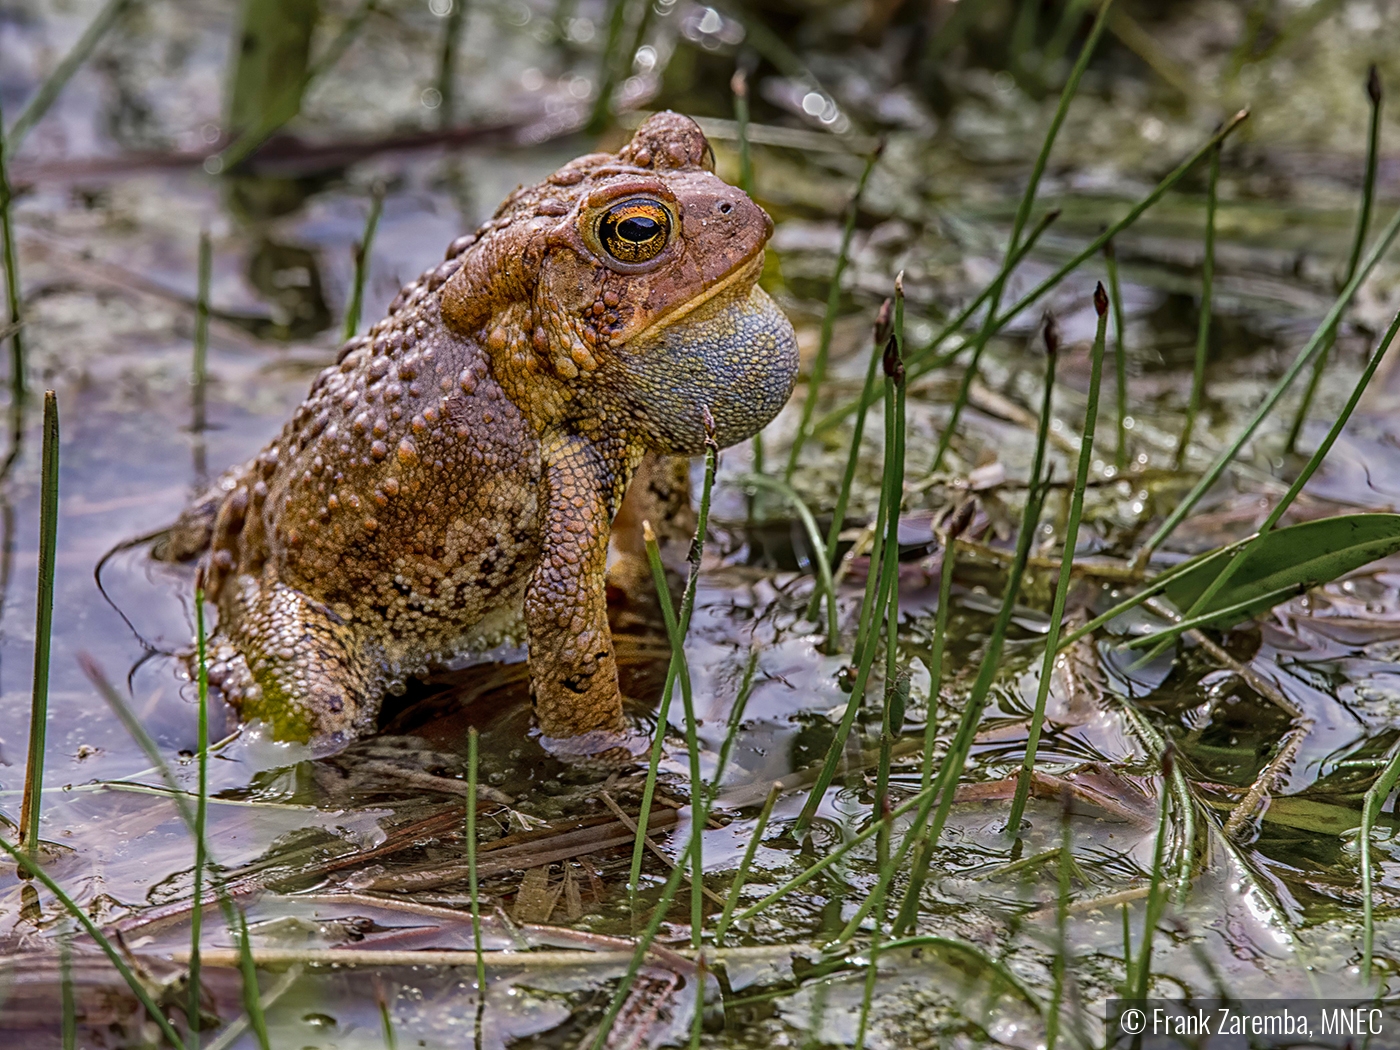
x=55 y=82
x=199 y=369
x=1120 y=357
x=817 y=373
x=1363 y=221
x=447 y=65
x=1198 y=375
x=658 y=744
x=1261 y=413
x=13 y=296
x=990 y=325
x=736 y=889
x=698 y=807
x=1062 y=587
x=201 y=814
x=43 y=631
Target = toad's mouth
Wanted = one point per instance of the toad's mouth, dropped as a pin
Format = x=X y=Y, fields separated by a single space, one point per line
x=741 y=277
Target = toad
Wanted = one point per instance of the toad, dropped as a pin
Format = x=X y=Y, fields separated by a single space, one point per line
x=450 y=483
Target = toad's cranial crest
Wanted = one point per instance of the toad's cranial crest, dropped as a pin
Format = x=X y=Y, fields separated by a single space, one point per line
x=450 y=484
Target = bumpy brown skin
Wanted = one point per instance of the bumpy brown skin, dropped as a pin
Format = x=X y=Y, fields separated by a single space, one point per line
x=462 y=464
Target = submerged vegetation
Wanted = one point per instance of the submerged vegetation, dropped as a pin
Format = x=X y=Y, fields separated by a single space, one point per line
x=1001 y=694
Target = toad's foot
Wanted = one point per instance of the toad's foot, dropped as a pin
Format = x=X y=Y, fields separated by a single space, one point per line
x=606 y=750
x=294 y=664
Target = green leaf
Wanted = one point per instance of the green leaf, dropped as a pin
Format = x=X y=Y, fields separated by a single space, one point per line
x=1286 y=562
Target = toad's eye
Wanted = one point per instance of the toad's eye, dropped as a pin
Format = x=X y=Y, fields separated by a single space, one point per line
x=635 y=231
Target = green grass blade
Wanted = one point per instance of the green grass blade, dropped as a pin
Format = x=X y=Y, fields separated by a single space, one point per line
x=698 y=793
x=1222 y=461
x=1156 y=898
x=199 y=369
x=43 y=630
x=201 y=812
x=848 y=475
x=1057 y=611
x=13 y=295
x=1120 y=359
x=736 y=889
x=362 y=253
x=471 y=862
x=1370 y=811
x=945 y=786
x=233 y=916
x=1363 y=221
x=817 y=372
x=55 y=82
x=1198 y=375
x=658 y=744
x=1060 y=964
x=821 y=557
x=73 y=909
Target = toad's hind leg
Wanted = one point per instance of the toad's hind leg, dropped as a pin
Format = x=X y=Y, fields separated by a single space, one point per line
x=293 y=663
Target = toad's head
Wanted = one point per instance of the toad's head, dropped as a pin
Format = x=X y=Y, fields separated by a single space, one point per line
x=622 y=292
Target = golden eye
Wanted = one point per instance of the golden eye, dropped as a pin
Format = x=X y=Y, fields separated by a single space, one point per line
x=635 y=231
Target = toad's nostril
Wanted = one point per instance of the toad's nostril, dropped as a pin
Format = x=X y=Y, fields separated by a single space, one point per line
x=725 y=207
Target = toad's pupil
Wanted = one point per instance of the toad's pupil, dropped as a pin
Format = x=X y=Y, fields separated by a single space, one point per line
x=638 y=228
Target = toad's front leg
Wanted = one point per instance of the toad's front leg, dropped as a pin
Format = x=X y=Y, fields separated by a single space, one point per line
x=573 y=670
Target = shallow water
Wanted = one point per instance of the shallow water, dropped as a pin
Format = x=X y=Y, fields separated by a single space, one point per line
x=108 y=260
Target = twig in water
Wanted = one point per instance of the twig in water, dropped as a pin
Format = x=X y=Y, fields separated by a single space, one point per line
x=43 y=631
x=1264 y=783
x=471 y=861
